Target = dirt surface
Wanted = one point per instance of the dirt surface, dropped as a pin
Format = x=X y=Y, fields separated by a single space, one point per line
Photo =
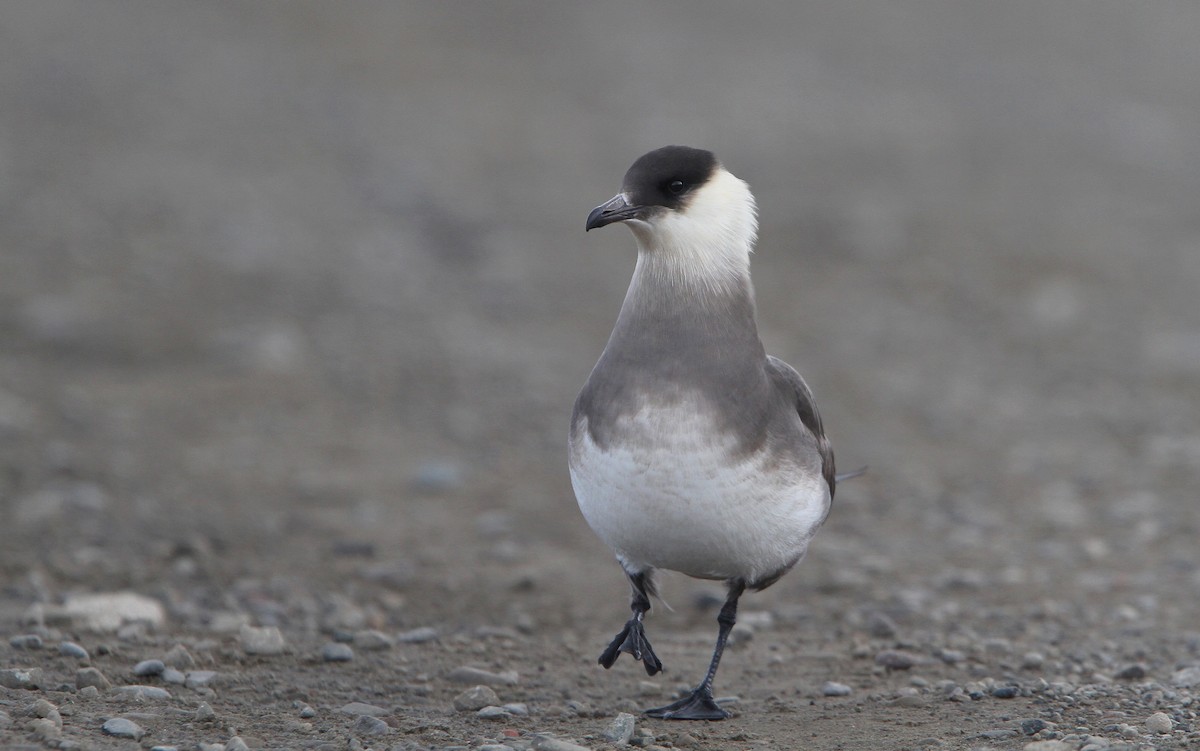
x=295 y=300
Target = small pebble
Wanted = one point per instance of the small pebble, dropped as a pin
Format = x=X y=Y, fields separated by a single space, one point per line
x=337 y=652
x=264 y=640
x=649 y=688
x=620 y=730
x=1159 y=722
x=492 y=713
x=1033 y=726
x=373 y=640
x=880 y=626
x=1186 y=677
x=1050 y=745
x=476 y=676
x=89 y=692
x=475 y=698
x=26 y=641
x=236 y=744
x=71 y=649
x=1133 y=672
x=91 y=677
x=149 y=667
x=307 y=712
x=179 y=658
x=164 y=748
x=368 y=725
x=171 y=675
x=1128 y=731
x=544 y=743
x=142 y=693
x=26 y=678
x=123 y=728
x=832 y=688
x=358 y=707
x=43 y=708
x=1032 y=660
x=418 y=635
x=200 y=678
x=952 y=656
x=894 y=659
x=45 y=729
x=1005 y=692
x=204 y=712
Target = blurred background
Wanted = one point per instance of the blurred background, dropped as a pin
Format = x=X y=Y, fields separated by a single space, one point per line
x=284 y=286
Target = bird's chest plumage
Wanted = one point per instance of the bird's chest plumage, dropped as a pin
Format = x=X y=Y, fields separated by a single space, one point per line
x=669 y=487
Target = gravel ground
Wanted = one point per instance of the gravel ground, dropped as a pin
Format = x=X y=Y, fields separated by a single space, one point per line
x=295 y=299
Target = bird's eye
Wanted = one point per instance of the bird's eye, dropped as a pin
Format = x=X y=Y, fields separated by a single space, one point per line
x=676 y=187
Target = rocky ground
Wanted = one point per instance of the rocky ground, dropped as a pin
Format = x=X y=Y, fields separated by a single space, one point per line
x=294 y=301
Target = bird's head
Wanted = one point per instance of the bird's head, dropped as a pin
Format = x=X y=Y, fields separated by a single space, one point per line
x=679 y=194
x=681 y=203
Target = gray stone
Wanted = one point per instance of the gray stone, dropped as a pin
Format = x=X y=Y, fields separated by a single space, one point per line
x=1133 y=672
x=179 y=658
x=1006 y=692
x=204 y=713
x=418 y=635
x=620 y=730
x=91 y=677
x=123 y=728
x=475 y=698
x=437 y=477
x=493 y=713
x=43 y=708
x=880 y=626
x=368 y=725
x=894 y=659
x=373 y=640
x=171 y=675
x=200 y=678
x=264 y=640
x=1033 y=726
x=71 y=649
x=337 y=652
x=45 y=729
x=164 y=748
x=89 y=692
x=1050 y=745
x=26 y=641
x=149 y=667
x=26 y=678
x=476 y=676
x=1186 y=678
x=236 y=744
x=833 y=688
x=109 y=611
x=545 y=743
x=307 y=712
x=358 y=707
x=142 y=693
x=1159 y=722
x=518 y=708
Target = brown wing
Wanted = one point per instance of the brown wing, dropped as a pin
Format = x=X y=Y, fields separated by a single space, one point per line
x=806 y=407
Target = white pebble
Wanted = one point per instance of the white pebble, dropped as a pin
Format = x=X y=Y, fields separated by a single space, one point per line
x=1159 y=722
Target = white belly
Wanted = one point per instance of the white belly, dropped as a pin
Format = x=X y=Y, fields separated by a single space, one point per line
x=673 y=497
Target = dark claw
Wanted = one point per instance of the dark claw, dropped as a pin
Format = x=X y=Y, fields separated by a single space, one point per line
x=632 y=640
x=699 y=705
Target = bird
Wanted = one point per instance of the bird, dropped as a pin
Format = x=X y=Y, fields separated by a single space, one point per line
x=690 y=449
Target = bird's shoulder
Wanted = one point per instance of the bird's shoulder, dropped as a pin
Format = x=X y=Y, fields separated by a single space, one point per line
x=791 y=384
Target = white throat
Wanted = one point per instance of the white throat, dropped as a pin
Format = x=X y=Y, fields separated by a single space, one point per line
x=705 y=246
